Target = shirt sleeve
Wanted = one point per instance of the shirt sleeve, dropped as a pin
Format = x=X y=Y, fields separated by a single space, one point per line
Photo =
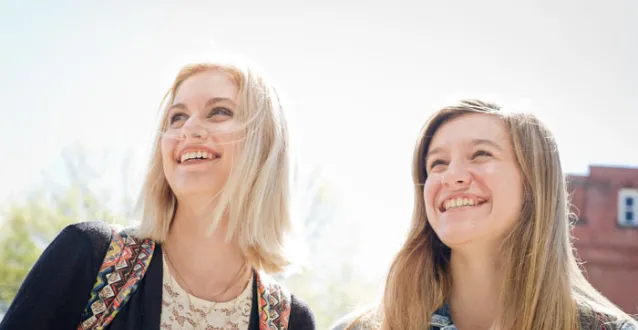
x=301 y=316
x=56 y=290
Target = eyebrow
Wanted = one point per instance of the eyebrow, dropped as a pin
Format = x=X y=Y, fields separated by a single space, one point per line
x=474 y=142
x=210 y=102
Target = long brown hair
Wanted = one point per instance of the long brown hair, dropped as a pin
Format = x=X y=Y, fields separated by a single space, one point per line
x=544 y=287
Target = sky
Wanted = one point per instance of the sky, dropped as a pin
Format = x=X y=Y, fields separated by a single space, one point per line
x=360 y=78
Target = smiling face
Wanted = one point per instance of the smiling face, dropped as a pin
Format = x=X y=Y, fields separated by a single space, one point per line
x=198 y=145
x=474 y=190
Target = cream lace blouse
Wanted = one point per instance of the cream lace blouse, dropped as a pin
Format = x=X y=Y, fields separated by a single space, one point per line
x=201 y=314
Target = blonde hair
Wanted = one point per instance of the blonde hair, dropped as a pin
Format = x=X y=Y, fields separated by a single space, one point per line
x=256 y=196
x=544 y=287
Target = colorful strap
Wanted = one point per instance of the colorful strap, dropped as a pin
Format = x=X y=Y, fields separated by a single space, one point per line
x=124 y=265
x=274 y=304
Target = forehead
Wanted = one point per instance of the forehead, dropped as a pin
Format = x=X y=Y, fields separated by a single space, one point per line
x=205 y=85
x=470 y=127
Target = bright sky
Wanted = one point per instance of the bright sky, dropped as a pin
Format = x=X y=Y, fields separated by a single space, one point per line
x=361 y=79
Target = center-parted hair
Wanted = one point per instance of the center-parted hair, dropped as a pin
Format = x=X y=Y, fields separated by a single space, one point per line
x=544 y=287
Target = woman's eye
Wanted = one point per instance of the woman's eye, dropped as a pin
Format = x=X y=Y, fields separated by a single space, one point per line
x=220 y=111
x=177 y=119
x=481 y=153
x=436 y=163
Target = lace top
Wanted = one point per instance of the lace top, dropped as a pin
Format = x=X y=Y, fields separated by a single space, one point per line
x=199 y=314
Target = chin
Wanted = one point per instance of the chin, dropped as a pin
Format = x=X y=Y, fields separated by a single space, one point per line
x=196 y=192
x=453 y=242
x=455 y=237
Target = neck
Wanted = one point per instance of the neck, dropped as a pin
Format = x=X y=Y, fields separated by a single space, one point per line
x=477 y=277
x=193 y=218
x=205 y=263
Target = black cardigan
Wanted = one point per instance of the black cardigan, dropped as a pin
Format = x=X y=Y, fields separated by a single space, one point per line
x=57 y=289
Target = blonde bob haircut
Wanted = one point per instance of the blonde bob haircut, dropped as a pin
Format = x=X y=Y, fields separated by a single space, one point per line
x=544 y=287
x=256 y=196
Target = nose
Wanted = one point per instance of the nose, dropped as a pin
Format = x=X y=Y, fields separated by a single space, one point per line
x=192 y=129
x=456 y=175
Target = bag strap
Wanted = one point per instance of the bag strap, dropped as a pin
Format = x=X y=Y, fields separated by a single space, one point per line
x=274 y=304
x=125 y=263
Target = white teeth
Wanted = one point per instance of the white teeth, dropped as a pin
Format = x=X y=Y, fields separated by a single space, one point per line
x=195 y=155
x=458 y=202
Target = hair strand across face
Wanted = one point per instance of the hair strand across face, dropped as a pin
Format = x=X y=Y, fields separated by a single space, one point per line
x=256 y=196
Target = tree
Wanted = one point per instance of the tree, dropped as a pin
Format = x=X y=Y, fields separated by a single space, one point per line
x=28 y=226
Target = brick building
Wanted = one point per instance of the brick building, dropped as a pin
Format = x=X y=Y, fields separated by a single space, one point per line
x=606 y=204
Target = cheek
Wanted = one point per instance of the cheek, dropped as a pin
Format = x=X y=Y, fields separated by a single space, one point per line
x=507 y=190
x=167 y=147
x=231 y=143
x=228 y=131
x=430 y=189
x=226 y=141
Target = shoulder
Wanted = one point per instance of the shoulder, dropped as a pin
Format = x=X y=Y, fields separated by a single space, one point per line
x=629 y=326
x=96 y=231
x=602 y=321
x=619 y=325
x=83 y=235
x=60 y=281
x=344 y=322
x=92 y=235
x=625 y=325
x=356 y=321
x=83 y=243
x=301 y=316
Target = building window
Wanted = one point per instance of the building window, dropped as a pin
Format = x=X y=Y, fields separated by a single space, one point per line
x=627 y=207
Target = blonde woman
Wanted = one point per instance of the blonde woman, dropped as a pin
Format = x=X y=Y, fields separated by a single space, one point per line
x=489 y=245
x=215 y=213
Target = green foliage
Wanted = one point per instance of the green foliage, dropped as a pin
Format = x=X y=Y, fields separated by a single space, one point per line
x=29 y=226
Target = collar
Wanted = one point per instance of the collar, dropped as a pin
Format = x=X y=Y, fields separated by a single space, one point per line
x=441 y=319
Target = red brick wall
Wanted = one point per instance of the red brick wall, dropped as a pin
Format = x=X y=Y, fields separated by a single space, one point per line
x=610 y=252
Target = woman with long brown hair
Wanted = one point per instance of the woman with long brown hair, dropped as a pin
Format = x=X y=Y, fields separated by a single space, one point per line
x=489 y=245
